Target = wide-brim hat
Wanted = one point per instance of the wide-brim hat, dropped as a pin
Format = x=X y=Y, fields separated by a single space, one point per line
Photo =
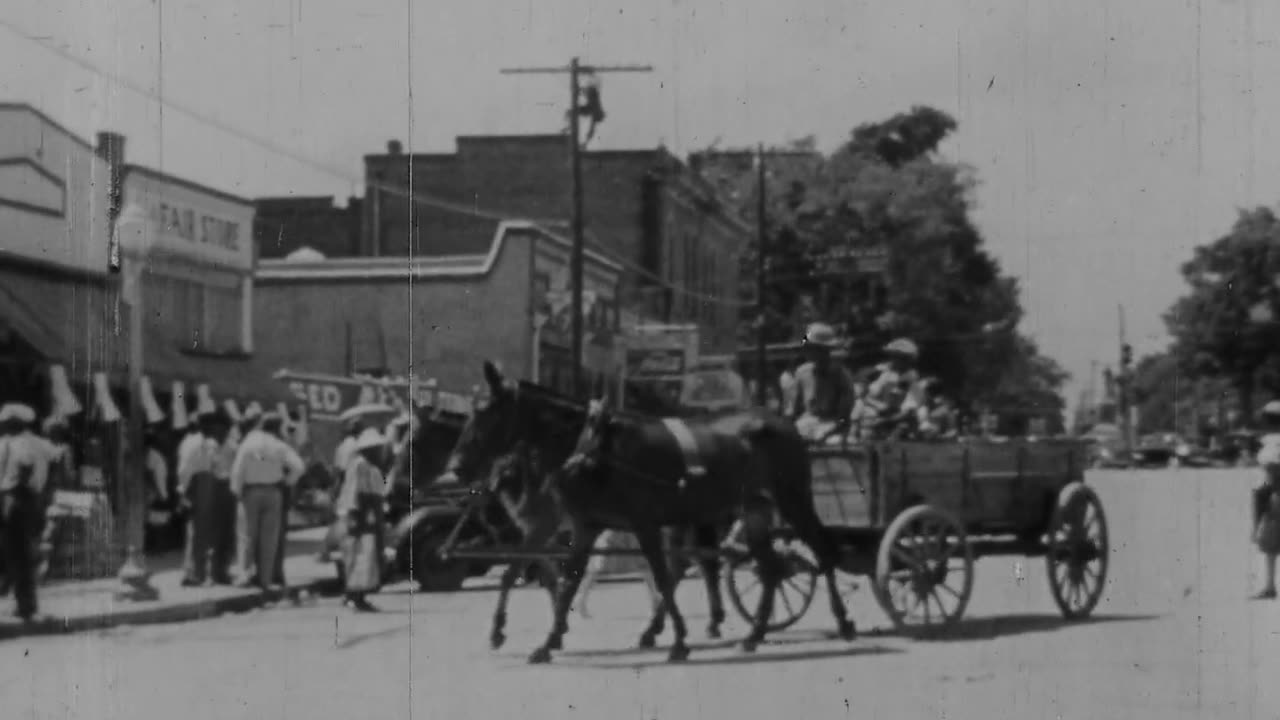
x=370 y=439
x=17 y=412
x=902 y=347
x=821 y=335
x=1272 y=409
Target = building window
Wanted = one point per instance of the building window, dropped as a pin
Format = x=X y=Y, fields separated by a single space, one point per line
x=198 y=311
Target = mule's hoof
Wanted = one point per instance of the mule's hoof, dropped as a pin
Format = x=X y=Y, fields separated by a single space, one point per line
x=679 y=653
x=647 y=641
x=497 y=639
x=541 y=656
x=713 y=632
x=848 y=631
x=749 y=645
x=555 y=644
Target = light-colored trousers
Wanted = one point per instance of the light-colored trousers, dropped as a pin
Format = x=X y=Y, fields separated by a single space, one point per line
x=263 y=507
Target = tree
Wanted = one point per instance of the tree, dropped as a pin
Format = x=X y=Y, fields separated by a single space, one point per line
x=1157 y=386
x=1226 y=326
x=886 y=188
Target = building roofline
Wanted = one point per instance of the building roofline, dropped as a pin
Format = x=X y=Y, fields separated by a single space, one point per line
x=48 y=121
x=444 y=266
x=188 y=184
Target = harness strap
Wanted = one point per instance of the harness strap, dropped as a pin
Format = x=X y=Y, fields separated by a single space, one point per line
x=688 y=445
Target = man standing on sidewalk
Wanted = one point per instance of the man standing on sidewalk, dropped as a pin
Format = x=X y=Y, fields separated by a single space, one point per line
x=264 y=466
x=23 y=468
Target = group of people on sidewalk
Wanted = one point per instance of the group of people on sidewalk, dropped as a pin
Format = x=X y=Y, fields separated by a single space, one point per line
x=236 y=480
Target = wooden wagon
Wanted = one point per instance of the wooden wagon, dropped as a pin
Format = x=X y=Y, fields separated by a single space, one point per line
x=913 y=517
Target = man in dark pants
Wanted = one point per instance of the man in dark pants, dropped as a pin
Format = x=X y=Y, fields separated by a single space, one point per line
x=19 y=506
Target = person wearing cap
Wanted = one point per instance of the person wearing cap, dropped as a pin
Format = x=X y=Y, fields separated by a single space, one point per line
x=360 y=506
x=1266 y=499
x=197 y=488
x=894 y=393
x=24 y=461
x=265 y=465
x=249 y=420
x=824 y=393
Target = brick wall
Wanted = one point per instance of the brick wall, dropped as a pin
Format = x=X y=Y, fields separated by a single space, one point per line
x=283 y=225
x=451 y=325
x=644 y=207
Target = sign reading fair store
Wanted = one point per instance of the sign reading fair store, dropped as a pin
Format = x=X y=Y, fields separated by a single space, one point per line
x=193 y=226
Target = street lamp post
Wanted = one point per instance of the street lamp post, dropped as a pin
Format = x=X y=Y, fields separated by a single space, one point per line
x=135 y=236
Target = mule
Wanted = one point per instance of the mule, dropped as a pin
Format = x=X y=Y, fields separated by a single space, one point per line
x=516 y=482
x=633 y=474
x=522 y=481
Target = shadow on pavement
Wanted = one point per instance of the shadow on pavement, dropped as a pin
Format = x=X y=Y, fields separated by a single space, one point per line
x=766 y=654
x=989 y=628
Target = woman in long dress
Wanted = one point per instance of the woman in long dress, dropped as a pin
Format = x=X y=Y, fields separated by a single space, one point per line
x=360 y=505
x=1266 y=500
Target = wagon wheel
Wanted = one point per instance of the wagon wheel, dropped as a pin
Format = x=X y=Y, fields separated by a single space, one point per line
x=1077 y=552
x=795 y=592
x=924 y=570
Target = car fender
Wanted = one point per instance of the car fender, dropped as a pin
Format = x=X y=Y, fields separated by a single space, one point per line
x=431 y=513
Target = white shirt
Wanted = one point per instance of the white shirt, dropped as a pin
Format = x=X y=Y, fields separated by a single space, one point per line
x=342 y=456
x=264 y=459
x=195 y=455
x=159 y=470
x=26 y=449
x=1269 y=453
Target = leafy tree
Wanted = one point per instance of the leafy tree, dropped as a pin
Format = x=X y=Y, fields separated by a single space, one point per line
x=1226 y=326
x=885 y=187
x=1157 y=384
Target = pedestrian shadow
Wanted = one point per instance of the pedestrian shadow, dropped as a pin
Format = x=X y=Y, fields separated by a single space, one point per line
x=349 y=642
x=997 y=626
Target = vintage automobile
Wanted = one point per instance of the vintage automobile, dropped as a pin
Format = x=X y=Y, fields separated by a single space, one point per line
x=420 y=519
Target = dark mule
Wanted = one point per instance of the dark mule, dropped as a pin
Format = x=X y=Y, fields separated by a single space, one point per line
x=517 y=484
x=523 y=483
x=633 y=474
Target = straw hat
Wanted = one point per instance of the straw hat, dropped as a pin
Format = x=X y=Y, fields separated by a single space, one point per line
x=370 y=439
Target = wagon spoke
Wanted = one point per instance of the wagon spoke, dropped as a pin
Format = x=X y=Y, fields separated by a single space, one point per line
x=786 y=600
x=911 y=560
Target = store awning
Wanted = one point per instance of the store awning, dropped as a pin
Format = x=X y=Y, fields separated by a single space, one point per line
x=74 y=323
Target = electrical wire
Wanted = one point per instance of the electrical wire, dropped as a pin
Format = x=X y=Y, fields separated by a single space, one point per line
x=424 y=199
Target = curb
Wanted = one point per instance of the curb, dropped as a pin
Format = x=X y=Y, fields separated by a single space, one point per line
x=183 y=612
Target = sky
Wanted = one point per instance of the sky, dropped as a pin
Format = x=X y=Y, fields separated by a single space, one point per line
x=1109 y=139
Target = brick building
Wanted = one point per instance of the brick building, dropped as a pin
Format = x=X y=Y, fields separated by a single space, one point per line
x=645 y=208
x=285 y=224
x=440 y=316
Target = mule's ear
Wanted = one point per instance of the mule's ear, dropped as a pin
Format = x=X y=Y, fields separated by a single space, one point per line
x=493 y=376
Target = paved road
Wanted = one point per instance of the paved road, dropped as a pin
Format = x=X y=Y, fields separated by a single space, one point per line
x=1174 y=639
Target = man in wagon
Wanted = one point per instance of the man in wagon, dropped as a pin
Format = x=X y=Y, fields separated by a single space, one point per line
x=824 y=388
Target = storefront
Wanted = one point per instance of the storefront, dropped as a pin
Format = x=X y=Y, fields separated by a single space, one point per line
x=437 y=317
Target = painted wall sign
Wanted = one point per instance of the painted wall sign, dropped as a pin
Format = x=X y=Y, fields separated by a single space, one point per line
x=194 y=223
x=327 y=397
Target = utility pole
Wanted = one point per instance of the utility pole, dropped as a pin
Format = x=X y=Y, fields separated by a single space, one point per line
x=762 y=241
x=762 y=361
x=575 y=70
x=1125 y=379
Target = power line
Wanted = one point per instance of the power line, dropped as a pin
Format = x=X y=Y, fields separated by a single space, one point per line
x=395 y=190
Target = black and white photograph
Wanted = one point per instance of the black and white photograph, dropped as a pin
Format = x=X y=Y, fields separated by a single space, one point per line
x=669 y=360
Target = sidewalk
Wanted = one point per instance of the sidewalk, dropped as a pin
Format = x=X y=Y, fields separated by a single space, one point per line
x=76 y=606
